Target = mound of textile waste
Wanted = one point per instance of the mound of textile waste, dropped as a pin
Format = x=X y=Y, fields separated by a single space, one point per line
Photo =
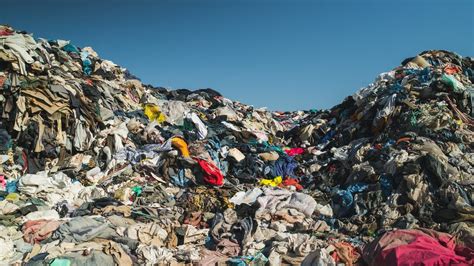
x=100 y=169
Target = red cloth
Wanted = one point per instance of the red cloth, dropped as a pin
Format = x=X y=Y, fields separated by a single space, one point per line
x=294 y=151
x=415 y=247
x=291 y=182
x=212 y=174
x=5 y=32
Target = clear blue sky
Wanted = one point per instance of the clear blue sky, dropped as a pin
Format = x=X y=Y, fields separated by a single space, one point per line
x=285 y=55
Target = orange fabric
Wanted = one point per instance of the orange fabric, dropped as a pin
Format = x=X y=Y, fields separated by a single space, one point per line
x=181 y=145
x=452 y=69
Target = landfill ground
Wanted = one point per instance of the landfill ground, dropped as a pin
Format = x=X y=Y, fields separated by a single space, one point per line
x=100 y=169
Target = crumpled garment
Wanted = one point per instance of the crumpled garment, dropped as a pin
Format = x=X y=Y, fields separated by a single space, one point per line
x=181 y=145
x=346 y=253
x=284 y=167
x=153 y=254
x=269 y=156
x=148 y=234
x=41 y=215
x=452 y=82
x=53 y=189
x=191 y=234
x=408 y=247
x=200 y=126
x=272 y=182
x=222 y=224
x=212 y=258
x=174 y=111
x=291 y=182
x=383 y=114
x=82 y=229
x=8 y=236
x=277 y=199
x=294 y=151
x=319 y=257
x=211 y=174
x=236 y=154
x=228 y=248
x=297 y=245
x=248 y=197
x=153 y=113
x=345 y=199
x=39 y=230
x=120 y=256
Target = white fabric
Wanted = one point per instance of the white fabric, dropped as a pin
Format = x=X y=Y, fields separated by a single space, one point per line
x=202 y=129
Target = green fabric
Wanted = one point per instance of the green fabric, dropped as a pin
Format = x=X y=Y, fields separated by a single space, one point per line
x=137 y=190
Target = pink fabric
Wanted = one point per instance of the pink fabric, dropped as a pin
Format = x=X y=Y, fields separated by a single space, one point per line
x=294 y=151
x=39 y=230
x=5 y=32
x=3 y=182
x=414 y=247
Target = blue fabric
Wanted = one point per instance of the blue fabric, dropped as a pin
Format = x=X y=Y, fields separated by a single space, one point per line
x=346 y=199
x=389 y=143
x=180 y=179
x=209 y=243
x=328 y=136
x=212 y=147
x=12 y=186
x=386 y=185
x=396 y=88
x=425 y=75
x=284 y=166
x=238 y=261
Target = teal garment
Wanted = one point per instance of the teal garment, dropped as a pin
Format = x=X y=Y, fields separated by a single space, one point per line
x=452 y=82
x=86 y=63
x=36 y=201
x=61 y=262
x=238 y=261
x=71 y=48
x=267 y=145
x=137 y=190
x=95 y=258
x=257 y=260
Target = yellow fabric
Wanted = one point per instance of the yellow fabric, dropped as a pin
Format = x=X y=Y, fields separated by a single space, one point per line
x=271 y=182
x=153 y=113
x=181 y=145
x=12 y=197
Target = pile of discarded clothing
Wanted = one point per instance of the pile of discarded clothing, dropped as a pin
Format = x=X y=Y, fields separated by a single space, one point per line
x=100 y=169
